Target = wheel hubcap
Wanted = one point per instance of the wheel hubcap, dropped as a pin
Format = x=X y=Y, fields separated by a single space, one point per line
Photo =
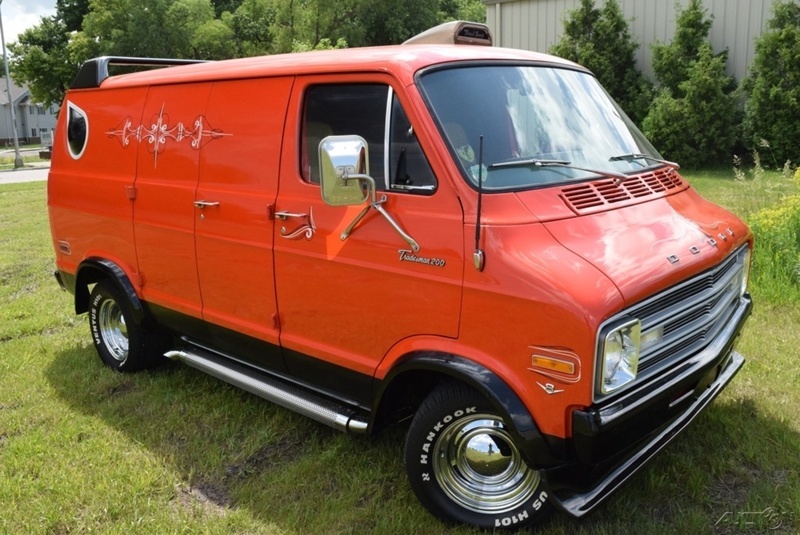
x=113 y=330
x=478 y=466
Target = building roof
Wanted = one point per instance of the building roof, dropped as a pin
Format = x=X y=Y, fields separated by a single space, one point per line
x=18 y=93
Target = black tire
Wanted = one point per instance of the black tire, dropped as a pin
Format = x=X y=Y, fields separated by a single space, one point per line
x=464 y=467
x=122 y=343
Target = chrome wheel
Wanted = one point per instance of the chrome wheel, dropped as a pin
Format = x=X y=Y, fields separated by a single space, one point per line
x=479 y=468
x=113 y=330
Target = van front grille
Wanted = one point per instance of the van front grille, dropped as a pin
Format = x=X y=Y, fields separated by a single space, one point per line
x=688 y=316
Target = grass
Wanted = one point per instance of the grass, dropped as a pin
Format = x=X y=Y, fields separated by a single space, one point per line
x=84 y=449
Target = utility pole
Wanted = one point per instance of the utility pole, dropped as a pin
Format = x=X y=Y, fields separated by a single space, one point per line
x=17 y=157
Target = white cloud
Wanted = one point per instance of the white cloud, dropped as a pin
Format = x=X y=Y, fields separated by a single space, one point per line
x=19 y=15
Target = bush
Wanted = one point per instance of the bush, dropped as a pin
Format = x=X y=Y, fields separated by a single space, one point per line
x=776 y=261
x=694 y=119
x=699 y=127
x=601 y=41
x=772 y=108
x=672 y=62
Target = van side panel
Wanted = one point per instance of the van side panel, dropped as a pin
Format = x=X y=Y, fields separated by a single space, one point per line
x=344 y=303
x=91 y=213
x=166 y=181
x=239 y=164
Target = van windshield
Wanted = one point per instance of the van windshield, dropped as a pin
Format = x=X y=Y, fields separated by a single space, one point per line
x=541 y=126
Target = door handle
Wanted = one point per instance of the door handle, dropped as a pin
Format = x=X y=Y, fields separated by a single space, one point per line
x=203 y=204
x=286 y=215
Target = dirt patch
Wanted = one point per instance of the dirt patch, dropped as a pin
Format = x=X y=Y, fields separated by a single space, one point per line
x=213 y=499
x=270 y=457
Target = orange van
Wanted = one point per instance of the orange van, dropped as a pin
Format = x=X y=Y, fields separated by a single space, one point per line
x=472 y=238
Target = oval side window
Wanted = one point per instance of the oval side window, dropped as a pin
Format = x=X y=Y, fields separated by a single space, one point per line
x=77 y=130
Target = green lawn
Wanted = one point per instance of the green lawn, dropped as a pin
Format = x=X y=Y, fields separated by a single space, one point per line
x=84 y=449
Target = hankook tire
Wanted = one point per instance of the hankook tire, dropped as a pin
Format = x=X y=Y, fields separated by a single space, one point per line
x=464 y=467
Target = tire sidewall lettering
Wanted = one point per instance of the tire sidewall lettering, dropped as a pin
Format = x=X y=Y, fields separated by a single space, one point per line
x=428 y=444
x=534 y=507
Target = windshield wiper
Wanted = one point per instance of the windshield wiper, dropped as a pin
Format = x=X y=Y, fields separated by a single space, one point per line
x=638 y=156
x=617 y=177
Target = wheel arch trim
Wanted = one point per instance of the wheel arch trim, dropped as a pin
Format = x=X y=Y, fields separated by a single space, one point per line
x=524 y=429
x=96 y=269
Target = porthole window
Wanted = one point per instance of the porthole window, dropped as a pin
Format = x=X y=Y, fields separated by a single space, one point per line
x=77 y=130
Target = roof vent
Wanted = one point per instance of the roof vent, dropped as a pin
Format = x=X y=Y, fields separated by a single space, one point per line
x=457 y=32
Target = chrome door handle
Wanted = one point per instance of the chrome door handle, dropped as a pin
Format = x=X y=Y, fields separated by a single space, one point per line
x=203 y=204
x=286 y=215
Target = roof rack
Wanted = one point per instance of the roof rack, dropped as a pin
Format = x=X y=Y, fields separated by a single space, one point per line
x=457 y=32
x=94 y=71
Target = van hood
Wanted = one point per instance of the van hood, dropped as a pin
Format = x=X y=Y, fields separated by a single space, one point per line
x=647 y=247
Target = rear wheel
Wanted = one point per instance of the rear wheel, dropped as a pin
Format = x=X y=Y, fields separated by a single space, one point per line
x=122 y=343
x=464 y=467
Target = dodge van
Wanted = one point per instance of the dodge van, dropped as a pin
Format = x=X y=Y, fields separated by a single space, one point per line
x=472 y=240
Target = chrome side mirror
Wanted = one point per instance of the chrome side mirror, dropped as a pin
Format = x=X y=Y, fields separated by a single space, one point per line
x=344 y=171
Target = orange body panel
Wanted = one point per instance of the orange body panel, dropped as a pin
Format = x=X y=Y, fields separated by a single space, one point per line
x=348 y=301
x=89 y=198
x=239 y=170
x=213 y=161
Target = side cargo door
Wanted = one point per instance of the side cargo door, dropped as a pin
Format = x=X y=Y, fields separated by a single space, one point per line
x=240 y=135
x=164 y=212
x=344 y=303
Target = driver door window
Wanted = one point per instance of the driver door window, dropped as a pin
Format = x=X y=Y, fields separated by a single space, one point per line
x=396 y=160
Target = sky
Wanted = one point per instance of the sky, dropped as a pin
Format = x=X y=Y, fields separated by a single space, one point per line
x=19 y=15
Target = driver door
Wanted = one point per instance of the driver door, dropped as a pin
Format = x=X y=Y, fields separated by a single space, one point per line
x=343 y=304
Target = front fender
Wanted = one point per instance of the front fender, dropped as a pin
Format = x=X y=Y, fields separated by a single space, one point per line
x=536 y=448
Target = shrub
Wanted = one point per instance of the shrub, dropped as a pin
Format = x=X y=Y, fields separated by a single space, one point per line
x=776 y=262
x=699 y=127
x=772 y=108
x=672 y=61
x=600 y=40
x=694 y=119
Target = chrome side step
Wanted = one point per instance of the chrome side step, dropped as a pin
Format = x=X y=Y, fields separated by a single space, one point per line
x=272 y=389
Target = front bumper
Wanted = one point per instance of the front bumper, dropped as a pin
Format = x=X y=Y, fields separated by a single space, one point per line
x=645 y=419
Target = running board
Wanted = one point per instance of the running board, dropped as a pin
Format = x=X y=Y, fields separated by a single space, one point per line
x=272 y=389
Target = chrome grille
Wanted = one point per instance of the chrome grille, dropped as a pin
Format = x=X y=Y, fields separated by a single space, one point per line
x=690 y=314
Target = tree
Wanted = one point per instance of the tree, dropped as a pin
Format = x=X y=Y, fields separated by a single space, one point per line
x=252 y=24
x=694 y=118
x=600 y=40
x=671 y=62
x=41 y=61
x=388 y=23
x=772 y=108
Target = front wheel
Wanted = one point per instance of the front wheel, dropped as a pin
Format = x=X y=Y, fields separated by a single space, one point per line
x=122 y=343
x=464 y=467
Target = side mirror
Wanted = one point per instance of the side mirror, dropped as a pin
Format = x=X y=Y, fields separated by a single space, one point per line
x=344 y=171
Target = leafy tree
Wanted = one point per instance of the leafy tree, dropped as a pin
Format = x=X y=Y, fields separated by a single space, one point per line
x=41 y=61
x=600 y=40
x=772 y=109
x=213 y=39
x=184 y=18
x=694 y=118
x=251 y=24
x=221 y=6
x=71 y=13
x=471 y=10
x=393 y=22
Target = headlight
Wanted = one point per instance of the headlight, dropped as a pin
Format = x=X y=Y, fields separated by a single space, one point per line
x=745 y=274
x=620 y=357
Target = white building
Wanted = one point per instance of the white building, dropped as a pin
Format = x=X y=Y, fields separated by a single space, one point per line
x=539 y=24
x=32 y=118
